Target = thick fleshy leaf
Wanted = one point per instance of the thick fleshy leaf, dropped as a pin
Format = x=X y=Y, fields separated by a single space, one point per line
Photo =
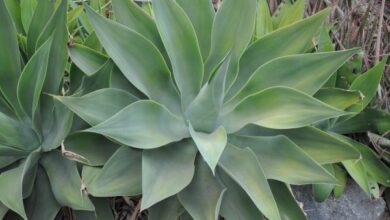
x=119 y=81
x=27 y=11
x=3 y=210
x=57 y=21
x=58 y=53
x=16 y=134
x=341 y=176
x=287 y=205
x=97 y=106
x=166 y=171
x=288 y=12
x=275 y=45
x=120 y=176
x=280 y=108
x=357 y=171
x=167 y=209
x=202 y=198
x=91 y=149
x=130 y=14
x=65 y=181
x=232 y=31
x=42 y=204
x=205 y=109
x=242 y=166
x=370 y=119
x=60 y=126
x=211 y=145
x=367 y=84
x=10 y=65
x=236 y=203
x=87 y=59
x=201 y=14
x=32 y=79
x=338 y=98
x=372 y=164
x=322 y=191
x=14 y=185
x=179 y=38
x=102 y=211
x=304 y=72
x=144 y=124
x=282 y=160
x=15 y=12
x=99 y=80
x=147 y=71
x=42 y=14
x=321 y=146
x=263 y=20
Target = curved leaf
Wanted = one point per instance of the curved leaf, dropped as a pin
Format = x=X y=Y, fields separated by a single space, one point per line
x=201 y=14
x=14 y=184
x=287 y=205
x=180 y=41
x=288 y=12
x=211 y=145
x=275 y=45
x=97 y=106
x=166 y=171
x=91 y=149
x=341 y=176
x=322 y=191
x=167 y=209
x=147 y=71
x=242 y=166
x=60 y=126
x=236 y=203
x=304 y=72
x=282 y=160
x=32 y=79
x=232 y=31
x=42 y=204
x=202 y=198
x=27 y=11
x=367 y=83
x=263 y=20
x=87 y=59
x=42 y=14
x=130 y=14
x=10 y=65
x=65 y=181
x=120 y=176
x=205 y=109
x=372 y=164
x=373 y=120
x=319 y=145
x=143 y=124
x=280 y=108
x=338 y=98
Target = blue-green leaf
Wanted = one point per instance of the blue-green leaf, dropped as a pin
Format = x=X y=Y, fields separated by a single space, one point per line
x=179 y=38
x=144 y=124
x=166 y=171
x=147 y=71
x=242 y=166
x=211 y=145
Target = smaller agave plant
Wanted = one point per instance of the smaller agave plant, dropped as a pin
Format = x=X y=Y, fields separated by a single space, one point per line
x=216 y=120
x=35 y=179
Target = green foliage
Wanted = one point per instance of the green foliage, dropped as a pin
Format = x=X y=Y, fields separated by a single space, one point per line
x=35 y=180
x=203 y=113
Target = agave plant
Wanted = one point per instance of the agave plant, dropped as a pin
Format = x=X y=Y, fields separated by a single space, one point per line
x=209 y=124
x=35 y=179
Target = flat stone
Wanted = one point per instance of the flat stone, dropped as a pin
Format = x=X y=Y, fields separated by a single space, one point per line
x=354 y=204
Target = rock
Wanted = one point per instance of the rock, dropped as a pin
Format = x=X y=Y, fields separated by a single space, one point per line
x=354 y=204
